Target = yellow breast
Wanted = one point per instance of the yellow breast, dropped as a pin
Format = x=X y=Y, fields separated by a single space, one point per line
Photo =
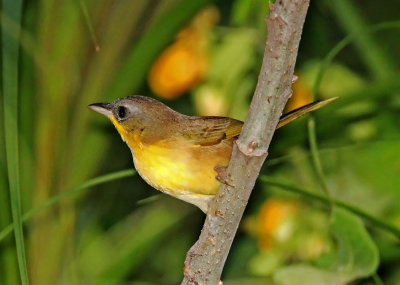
x=178 y=168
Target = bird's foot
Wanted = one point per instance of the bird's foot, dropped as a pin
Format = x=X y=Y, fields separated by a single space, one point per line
x=221 y=175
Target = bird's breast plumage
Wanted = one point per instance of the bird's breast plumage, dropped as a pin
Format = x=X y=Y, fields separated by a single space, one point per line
x=179 y=167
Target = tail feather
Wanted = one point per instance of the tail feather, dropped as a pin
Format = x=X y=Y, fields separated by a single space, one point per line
x=297 y=113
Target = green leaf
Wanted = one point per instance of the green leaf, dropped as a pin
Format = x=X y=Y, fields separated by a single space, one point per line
x=356 y=256
x=306 y=274
x=357 y=253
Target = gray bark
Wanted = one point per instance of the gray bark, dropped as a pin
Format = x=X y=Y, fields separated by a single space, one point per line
x=205 y=260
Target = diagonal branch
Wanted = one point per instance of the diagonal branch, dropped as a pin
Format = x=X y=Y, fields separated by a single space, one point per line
x=206 y=259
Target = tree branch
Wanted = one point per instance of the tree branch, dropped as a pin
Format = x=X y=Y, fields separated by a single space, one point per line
x=206 y=259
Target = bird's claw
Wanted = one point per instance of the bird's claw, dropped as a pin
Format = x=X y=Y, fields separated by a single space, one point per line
x=221 y=175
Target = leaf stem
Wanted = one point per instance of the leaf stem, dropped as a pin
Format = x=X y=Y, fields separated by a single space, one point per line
x=321 y=198
x=377 y=279
x=312 y=138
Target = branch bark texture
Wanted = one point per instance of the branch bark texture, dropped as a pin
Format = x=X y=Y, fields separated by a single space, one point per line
x=205 y=260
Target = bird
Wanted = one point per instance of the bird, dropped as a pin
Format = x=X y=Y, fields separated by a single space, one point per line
x=177 y=154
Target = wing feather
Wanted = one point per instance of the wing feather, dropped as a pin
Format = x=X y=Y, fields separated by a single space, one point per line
x=207 y=131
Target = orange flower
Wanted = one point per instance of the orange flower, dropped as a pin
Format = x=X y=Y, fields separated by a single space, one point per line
x=182 y=65
x=275 y=221
x=179 y=68
x=301 y=95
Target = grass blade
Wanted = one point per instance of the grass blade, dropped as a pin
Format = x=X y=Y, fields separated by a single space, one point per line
x=67 y=193
x=90 y=26
x=379 y=64
x=10 y=51
x=344 y=43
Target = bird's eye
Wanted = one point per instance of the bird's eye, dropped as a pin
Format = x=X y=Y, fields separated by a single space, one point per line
x=121 y=112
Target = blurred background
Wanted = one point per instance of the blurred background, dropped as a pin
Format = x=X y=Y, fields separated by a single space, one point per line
x=326 y=209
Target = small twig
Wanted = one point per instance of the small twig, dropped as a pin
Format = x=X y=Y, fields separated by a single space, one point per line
x=206 y=258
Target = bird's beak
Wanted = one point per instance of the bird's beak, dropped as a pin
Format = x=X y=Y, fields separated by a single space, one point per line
x=102 y=108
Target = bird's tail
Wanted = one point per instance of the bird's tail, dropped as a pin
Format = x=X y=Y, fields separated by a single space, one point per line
x=297 y=113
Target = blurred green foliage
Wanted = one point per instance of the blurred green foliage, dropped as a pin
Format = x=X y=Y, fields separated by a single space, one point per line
x=80 y=230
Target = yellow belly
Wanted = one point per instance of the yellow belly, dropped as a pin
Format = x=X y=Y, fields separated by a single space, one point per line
x=181 y=168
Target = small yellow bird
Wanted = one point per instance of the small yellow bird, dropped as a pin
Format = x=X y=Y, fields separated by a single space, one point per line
x=177 y=154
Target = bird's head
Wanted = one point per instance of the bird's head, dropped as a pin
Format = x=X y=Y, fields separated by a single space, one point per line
x=134 y=115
